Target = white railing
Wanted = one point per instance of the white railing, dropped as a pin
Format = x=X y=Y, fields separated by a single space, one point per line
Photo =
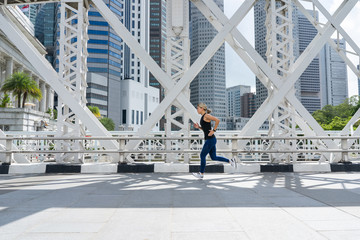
x=40 y=147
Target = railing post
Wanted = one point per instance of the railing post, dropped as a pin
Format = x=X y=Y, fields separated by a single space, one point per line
x=41 y=156
x=344 y=147
x=234 y=148
x=8 y=154
x=121 y=150
x=96 y=156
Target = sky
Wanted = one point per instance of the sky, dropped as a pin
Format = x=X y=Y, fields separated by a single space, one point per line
x=237 y=72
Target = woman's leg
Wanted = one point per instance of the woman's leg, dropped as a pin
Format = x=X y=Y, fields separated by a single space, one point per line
x=205 y=150
x=212 y=153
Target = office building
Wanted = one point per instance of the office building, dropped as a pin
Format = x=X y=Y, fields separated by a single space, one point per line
x=238 y=123
x=310 y=79
x=31 y=11
x=334 y=80
x=248 y=105
x=45 y=28
x=209 y=85
x=157 y=39
x=233 y=99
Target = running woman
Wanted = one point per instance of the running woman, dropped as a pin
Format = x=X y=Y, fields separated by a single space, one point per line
x=210 y=139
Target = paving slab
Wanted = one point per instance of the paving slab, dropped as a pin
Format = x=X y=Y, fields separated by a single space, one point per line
x=178 y=206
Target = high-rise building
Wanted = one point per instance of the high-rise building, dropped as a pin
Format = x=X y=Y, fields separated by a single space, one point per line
x=45 y=28
x=233 y=99
x=157 y=38
x=116 y=77
x=248 y=105
x=334 y=81
x=261 y=45
x=310 y=79
x=209 y=85
x=31 y=11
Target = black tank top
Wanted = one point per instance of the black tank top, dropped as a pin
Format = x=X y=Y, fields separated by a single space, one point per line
x=206 y=127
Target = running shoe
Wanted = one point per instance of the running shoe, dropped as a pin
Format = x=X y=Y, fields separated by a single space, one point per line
x=198 y=175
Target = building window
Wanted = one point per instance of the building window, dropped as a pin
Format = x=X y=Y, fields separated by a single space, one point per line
x=137 y=117
x=124 y=116
x=132 y=116
x=141 y=118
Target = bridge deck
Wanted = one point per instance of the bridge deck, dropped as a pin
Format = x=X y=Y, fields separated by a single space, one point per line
x=177 y=206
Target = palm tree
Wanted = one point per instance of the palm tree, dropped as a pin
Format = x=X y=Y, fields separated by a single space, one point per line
x=21 y=85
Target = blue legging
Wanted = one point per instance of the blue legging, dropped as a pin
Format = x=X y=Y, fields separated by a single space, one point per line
x=210 y=148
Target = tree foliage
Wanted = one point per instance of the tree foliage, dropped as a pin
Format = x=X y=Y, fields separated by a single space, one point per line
x=95 y=111
x=22 y=86
x=5 y=101
x=108 y=123
x=336 y=117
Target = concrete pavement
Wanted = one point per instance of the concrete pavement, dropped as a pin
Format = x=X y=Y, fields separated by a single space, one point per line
x=177 y=206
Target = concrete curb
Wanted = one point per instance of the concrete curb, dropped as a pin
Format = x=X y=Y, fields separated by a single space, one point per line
x=111 y=168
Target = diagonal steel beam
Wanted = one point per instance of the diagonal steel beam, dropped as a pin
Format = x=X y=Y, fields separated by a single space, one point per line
x=163 y=78
x=299 y=66
x=355 y=47
x=48 y=73
x=189 y=75
x=174 y=90
x=250 y=56
x=346 y=129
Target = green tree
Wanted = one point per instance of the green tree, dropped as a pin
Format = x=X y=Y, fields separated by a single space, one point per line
x=22 y=86
x=108 y=123
x=5 y=101
x=336 y=117
x=336 y=124
x=95 y=111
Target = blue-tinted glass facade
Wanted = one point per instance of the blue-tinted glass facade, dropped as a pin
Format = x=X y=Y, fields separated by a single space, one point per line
x=105 y=59
x=45 y=29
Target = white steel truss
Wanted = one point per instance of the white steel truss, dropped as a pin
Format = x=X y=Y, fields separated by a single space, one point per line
x=280 y=57
x=72 y=74
x=348 y=129
x=263 y=71
x=48 y=73
x=176 y=83
x=177 y=62
x=175 y=90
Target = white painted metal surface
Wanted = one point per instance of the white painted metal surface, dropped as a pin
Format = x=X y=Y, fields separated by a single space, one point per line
x=177 y=62
x=282 y=106
x=153 y=147
x=72 y=74
x=51 y=77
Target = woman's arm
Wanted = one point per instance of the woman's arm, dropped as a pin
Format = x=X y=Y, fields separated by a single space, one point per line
x=196 y=125
x=210 y=118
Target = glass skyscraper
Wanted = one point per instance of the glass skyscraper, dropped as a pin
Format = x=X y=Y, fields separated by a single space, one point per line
x=45 y=28
x=334 y=80
x=310 y=79
x=233 y=98
x=157 y=38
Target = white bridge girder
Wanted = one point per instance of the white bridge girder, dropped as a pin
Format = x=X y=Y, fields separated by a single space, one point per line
x=72 y=73
x=179 y=73
x=177 y=62
x=48 y=73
